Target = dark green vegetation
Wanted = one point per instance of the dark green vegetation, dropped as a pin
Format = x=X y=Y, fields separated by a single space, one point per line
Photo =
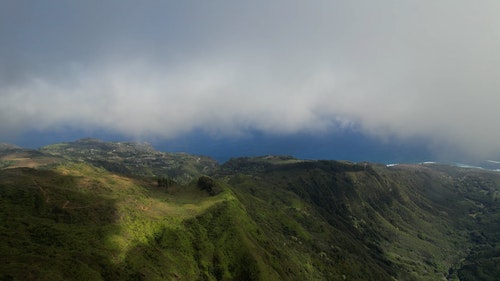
x=80 y=211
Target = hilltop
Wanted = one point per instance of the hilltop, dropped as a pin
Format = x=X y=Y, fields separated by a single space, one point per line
x=94 y=210
x=132 y=158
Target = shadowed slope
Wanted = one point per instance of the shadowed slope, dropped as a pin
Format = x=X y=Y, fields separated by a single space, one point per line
x=411 y=222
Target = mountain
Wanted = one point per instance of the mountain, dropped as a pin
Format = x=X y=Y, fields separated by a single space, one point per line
x=81 y=211
x=131 y=158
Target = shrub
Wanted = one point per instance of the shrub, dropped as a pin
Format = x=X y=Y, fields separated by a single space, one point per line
x=209 y=184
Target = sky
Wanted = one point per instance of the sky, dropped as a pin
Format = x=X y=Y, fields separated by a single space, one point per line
x=359 y=80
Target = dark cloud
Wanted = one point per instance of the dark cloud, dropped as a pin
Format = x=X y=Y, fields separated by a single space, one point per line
x=395 y=69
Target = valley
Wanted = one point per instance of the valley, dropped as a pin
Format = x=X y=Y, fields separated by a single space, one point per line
x=93 y=210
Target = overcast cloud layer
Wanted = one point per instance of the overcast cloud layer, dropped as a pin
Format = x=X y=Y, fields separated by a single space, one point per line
x=404 y=69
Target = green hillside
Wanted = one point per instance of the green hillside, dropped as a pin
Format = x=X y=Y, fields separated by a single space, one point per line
x=130 y=158
x=63 y=217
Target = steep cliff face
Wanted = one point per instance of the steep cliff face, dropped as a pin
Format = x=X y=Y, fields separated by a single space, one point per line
x=412 y=222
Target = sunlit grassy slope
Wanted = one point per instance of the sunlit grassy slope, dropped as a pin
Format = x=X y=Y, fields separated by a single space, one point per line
x=275 y=218
x=81 y=222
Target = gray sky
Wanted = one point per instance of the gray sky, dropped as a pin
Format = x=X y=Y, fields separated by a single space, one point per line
x=404 y=69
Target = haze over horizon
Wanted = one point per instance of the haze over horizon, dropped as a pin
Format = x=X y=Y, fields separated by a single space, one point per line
x=356 y=80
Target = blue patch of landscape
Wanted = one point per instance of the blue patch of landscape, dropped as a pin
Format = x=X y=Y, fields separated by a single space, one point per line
x=350 y=146
x=347 y=145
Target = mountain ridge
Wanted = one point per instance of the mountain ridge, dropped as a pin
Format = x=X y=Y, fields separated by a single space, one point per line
x=134 y=158
x=87 y=210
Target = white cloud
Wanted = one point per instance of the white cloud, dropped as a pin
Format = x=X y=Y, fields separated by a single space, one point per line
x=393 y=69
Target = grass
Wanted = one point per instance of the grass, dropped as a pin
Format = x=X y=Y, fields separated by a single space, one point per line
x=53 y=214
x=415 y=221
x=105 y=226
x=275 y=219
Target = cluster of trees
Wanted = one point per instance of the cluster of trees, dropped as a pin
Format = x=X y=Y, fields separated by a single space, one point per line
x=210 y=185
x=165 y=182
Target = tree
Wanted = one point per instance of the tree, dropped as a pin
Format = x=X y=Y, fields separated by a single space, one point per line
x=165 y=182
x=209 y=184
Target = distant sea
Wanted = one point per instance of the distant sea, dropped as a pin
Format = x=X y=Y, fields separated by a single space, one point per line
x=344 y=145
